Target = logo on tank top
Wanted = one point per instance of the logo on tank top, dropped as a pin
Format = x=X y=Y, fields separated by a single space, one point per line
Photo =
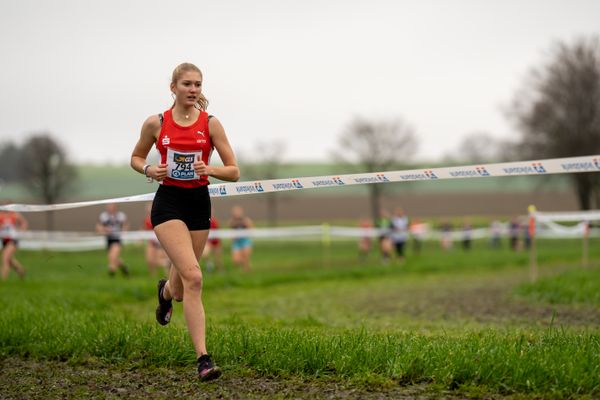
x=203 y=140
x=166 y=140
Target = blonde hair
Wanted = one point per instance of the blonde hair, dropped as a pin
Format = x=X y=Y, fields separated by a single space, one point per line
x=202 y=103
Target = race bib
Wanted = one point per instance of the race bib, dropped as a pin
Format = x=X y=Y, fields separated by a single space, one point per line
x=180 y=164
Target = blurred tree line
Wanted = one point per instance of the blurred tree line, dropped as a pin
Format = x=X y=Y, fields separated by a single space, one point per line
x=266 y=163
x=41 y=165
x=376 y=146
x=556 y=113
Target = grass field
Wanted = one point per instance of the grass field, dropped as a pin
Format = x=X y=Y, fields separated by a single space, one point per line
x=311 y=322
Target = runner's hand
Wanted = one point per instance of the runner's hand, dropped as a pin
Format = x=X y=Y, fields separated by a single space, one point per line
x=199 y=167
x=158 y=172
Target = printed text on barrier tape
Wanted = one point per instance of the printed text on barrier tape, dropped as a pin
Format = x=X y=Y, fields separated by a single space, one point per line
x=519 y=168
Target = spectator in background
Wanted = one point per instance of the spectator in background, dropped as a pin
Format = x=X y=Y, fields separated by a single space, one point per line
x=156 y=258
x=212 y=254
x=417 y=231
x=495 y=234
x=384 y=224
x=241 y=246
x=514 y=230
x=364 y=241
x=467 y=235
x=10 y=224
x=446 y=235
x=111 y=223
x=399 y=234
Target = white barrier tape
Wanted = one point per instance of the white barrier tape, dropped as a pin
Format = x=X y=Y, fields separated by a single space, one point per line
x=570 y=216
x=535 y=167
x=558 y=228
x=66 y=206
x=79 y=241
x=132 y=236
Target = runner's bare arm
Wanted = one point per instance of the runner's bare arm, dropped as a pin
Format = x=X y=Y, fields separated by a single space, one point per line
x=23 y=225
x=148 y=136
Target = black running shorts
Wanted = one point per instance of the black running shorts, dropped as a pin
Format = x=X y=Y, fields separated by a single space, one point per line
x=399 y=248
x=192 y=206
x=6 y=241
x=110 y=241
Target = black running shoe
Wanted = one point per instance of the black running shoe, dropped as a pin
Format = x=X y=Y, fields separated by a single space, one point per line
x=165 y=307
x=207 y=371
x=124 y=270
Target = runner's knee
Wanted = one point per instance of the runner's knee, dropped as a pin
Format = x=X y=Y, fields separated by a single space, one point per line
x=194 y=281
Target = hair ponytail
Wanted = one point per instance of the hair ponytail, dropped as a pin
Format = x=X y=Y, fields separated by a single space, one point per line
x=202 y=102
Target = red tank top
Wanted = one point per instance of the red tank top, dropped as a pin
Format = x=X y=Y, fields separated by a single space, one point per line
x=8 y=224
x=8 y=218
x=179 y=146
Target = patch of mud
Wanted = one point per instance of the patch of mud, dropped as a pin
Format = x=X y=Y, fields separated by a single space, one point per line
x=28 y=379
x=489 y=300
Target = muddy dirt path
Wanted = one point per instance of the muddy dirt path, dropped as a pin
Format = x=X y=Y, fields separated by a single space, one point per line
x=479 y=299
x=28 y=379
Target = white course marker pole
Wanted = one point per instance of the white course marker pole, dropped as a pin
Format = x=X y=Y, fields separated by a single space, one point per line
x=586 y=245
x=533 y=265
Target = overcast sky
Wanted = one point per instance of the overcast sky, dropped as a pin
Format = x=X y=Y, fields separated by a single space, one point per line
x=90 y=72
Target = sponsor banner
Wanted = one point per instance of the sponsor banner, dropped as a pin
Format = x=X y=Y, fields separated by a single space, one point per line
x=534 y=167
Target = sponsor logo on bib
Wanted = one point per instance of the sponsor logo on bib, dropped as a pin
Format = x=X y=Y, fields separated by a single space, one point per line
x=180 y=165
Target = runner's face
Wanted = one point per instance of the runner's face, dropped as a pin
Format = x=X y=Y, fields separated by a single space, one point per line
x=237 y=212
x=188 y=88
